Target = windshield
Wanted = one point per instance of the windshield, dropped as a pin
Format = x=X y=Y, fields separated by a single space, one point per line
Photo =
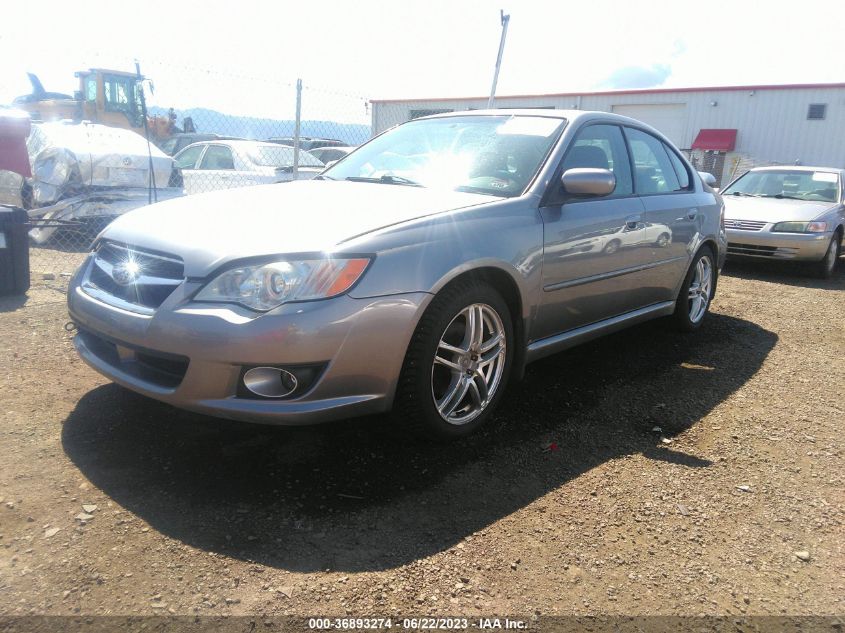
x=494 y=155
x=820 y=186
x=280 y=156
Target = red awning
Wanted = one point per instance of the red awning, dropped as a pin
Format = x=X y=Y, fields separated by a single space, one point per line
x=715 y=140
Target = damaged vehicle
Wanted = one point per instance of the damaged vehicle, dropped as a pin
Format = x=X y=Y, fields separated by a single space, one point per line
x=86 y=174
x=416 y=275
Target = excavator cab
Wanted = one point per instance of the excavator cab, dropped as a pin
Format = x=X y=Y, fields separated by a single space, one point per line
x=111 y=98
x=108 y=97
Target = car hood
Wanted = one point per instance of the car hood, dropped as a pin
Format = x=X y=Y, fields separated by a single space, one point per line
x=211 y=229
x=773 y=209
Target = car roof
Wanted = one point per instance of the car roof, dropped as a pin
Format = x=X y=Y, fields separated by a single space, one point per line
x=837 y=170
x=236 y=143
x=570 y=115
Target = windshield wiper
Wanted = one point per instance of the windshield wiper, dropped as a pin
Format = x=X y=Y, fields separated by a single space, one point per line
x=322 y=177
x=783 y=195
x=388 y=179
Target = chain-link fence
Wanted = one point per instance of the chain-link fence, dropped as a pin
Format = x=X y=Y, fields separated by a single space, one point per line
x=207 y=130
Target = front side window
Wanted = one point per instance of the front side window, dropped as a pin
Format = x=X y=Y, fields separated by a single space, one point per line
x=653 y=169
x=495 y=155
x=602 y=147
x=820 y=186
x=217 y=157
x=187 y=158
x=119 y=93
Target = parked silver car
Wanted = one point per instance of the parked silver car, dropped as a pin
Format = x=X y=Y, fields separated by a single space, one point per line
x=222 y=164
x=419 y=274
x=787 y=213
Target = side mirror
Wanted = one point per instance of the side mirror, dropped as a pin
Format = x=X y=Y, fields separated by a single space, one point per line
x=708 y=178
x=587 y=181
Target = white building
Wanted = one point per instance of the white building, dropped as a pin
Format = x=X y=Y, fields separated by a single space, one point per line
x=724 y=130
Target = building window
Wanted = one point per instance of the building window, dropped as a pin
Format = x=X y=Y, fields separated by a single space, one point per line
x=816 y=111
x=416 y=114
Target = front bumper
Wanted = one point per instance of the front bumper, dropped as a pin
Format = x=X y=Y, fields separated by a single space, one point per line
x=764 y=244
x=192 y=355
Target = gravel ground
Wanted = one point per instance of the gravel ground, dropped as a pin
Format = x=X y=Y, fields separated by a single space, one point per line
x=646 y=473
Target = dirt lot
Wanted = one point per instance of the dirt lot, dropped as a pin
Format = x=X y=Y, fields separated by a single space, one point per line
x=647 y=473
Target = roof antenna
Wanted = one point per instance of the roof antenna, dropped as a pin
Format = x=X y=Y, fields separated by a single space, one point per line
x=152 y=190
x=505 y=19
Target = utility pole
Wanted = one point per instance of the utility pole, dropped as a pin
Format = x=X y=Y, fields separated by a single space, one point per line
x=505 y=19
x=296 y=139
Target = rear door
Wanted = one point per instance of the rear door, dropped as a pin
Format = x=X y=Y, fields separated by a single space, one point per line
x=592 y=257
x=217 y=170
x=665 y=186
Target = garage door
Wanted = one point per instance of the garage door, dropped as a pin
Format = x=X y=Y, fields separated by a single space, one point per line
x=668 y=118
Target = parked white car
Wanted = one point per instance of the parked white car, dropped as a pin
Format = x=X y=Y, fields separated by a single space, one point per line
x=609 y=241
x=214 y=165
x=787 y=213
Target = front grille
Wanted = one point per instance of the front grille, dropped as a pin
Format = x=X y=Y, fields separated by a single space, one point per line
x=152 y=277
x=755 y=250
x=750 y=249
x=745 y=225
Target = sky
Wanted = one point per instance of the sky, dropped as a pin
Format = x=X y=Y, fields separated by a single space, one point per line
x=245 y=57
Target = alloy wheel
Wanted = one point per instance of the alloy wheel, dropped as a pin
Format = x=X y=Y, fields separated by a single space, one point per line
x=700 y=289
x=468 y=364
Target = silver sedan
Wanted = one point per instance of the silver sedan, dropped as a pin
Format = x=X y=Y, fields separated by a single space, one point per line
x=419 y=274
x=787 y=213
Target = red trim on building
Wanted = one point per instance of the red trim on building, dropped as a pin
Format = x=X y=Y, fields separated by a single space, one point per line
x=639 y=91
x=715 y=140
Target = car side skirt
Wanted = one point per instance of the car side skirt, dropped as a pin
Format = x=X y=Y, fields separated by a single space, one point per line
x=559 y=342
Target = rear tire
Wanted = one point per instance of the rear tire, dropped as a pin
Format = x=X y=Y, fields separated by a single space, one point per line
x=457 y=364
x=697 y=291
x=824 y=269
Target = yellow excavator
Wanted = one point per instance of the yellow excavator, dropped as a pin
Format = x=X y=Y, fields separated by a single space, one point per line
x=108 y=97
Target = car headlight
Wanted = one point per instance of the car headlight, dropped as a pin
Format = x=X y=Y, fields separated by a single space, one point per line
x=265 y=286
x=800 y=227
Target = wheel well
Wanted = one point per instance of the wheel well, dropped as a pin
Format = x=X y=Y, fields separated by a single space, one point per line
x=507 y=287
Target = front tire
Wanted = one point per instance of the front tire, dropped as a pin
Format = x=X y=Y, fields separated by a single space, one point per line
x=825 y=268
x=697 y=292
x=457 y=365
x=612 y=246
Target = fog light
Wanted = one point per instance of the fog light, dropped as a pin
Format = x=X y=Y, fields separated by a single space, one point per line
x=270 y=382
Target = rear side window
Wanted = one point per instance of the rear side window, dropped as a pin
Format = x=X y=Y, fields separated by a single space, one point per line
x=653 y=169
x=602 y=147
x=680 y=169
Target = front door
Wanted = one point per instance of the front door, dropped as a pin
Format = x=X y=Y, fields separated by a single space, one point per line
x=595 y=249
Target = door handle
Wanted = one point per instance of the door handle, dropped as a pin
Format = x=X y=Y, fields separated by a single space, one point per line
x=692 y=214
